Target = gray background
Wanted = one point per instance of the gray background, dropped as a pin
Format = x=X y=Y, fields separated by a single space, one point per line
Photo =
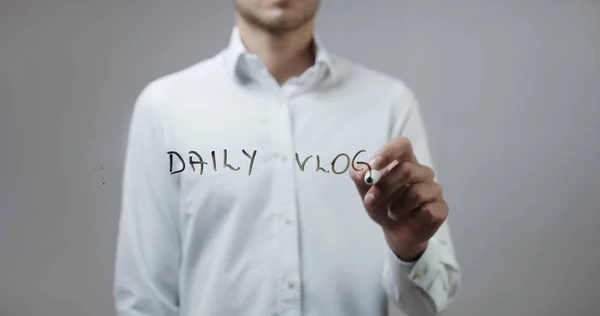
x=510 y=92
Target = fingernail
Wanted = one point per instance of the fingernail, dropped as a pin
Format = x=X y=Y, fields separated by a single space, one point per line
x=369 y=198
x=374 y=162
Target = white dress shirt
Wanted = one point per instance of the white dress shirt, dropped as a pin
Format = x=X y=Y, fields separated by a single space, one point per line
x=259 y=236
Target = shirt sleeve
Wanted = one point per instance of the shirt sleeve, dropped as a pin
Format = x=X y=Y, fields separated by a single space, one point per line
x=148 y=245
x=428 y=285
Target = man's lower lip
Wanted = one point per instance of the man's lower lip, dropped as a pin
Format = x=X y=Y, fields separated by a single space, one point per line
x=282 y=3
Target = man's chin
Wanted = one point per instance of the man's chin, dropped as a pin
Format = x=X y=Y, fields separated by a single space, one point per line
x=280 y=25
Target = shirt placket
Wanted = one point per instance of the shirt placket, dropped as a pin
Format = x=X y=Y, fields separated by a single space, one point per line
x=287 y=229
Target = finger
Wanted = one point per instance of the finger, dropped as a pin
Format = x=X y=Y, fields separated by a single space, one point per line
x=430 y=214
x=413 y=197
x=399 y=149
x=396 y=180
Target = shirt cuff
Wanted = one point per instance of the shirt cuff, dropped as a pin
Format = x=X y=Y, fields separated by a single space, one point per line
x=421 y=272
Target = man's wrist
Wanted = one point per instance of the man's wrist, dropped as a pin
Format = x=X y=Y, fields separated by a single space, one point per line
x=408 y=254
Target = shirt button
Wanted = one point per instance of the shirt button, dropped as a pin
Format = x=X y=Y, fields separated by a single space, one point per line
x=291 y=285
x=418 y=275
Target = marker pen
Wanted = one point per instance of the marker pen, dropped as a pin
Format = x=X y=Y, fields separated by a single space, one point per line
x=372 y=176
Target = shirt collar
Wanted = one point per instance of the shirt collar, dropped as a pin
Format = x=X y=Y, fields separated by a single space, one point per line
x=236 y=50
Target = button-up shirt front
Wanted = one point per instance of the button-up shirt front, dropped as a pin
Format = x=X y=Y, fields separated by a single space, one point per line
x=237 y=198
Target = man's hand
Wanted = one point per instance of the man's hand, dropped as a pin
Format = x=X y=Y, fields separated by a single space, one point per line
x=406 y=202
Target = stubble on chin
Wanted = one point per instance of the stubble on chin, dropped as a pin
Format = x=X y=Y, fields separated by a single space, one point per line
x=276 y=26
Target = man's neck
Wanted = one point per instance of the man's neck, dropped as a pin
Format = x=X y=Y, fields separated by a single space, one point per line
x=285 y=55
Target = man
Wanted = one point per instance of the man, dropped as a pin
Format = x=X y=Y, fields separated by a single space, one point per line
x=236 y=200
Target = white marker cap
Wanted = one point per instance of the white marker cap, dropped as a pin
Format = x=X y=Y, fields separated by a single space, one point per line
x=372 y=177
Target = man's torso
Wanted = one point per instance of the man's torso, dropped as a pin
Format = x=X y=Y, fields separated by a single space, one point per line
x=280 y=239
